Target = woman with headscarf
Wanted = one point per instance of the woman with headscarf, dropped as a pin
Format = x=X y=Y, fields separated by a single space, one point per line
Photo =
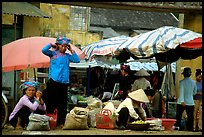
x=130 y=109
x=198 y=102
x=55 y=94
x=125 y=82
x=30 y=102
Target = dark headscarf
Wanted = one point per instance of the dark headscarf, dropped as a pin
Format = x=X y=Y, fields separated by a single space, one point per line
x=198 y=72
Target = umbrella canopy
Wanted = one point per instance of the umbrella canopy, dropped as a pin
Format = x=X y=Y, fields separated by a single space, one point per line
x=103 y=47
x=27 y=52
x=167 y=44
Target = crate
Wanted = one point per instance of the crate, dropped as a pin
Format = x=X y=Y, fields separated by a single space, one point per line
x=105 y=119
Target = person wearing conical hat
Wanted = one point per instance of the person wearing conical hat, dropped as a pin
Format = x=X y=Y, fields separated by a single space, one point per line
x=130 y=109
x=141 y=82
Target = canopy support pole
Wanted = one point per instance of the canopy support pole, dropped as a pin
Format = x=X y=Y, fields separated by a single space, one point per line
x=34 y=74
x=15 y=19
x=88 y=83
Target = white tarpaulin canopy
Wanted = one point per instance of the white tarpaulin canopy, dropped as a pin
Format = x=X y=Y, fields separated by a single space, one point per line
x=167 y=44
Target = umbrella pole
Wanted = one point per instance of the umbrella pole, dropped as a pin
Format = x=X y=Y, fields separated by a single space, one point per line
x=15 y=27
x=88 y=83
x=14 y=88
x=34 y=74
x=167 y=96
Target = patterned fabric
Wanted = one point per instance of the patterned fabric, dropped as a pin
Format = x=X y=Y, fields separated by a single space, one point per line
x=62 y=40
x=103 y=47
x=156 y=41
x=29 y=84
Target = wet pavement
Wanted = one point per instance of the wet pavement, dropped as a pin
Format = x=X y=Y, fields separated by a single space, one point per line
x=9 y=130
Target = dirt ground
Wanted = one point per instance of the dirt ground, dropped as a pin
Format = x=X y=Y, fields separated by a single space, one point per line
x=8 y=130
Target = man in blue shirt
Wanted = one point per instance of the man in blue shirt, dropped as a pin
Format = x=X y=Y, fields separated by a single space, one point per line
x=185 y=101
x=55 y=94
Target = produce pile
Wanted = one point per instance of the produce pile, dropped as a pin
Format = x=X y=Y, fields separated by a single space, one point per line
x=138 y=122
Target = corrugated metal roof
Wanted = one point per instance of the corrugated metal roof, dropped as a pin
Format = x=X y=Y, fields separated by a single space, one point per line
x=22 y=8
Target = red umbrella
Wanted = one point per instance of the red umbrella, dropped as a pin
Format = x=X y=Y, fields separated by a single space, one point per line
x=26 y=52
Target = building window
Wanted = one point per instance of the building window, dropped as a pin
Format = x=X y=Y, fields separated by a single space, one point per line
x=79 y=18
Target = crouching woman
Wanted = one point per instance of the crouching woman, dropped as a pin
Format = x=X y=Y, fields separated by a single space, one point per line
x=30 y=102
x=130 y=109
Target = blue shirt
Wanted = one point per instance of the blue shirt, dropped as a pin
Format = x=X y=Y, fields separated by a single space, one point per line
x=188 y=88
x=59 y=64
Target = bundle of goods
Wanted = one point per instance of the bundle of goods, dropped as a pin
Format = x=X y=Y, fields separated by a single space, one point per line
x=77 y=119
x=92 y=117
x=93 y=103
x=167 y=123
x=155 y=124
x=116 y=103
x=38 y=122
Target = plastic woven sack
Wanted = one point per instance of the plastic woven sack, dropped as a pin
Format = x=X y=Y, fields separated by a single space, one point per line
x=77 y=119
x=38 y=122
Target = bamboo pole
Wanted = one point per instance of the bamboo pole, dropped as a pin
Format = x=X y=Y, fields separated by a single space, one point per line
x=178 y=62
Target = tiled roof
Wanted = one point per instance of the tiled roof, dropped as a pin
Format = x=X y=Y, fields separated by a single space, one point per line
x=130 y=19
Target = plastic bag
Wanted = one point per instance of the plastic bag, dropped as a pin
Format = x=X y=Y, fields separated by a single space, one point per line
x=106 y=119
x=38 y=122
x=155 y=124
x=53 y=119
x=92 y=117
x=94 y=103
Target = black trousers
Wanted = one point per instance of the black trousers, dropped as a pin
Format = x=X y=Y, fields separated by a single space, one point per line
x=124 y=117
x=55 y=96
x=23 y=114
x=190 y=116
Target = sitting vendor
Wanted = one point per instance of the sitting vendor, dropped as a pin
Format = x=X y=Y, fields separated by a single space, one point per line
x=30 y=102
x=130 y=109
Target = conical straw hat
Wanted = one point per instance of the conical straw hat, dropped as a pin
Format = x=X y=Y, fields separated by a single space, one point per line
x=142 y=72
x=139 y=95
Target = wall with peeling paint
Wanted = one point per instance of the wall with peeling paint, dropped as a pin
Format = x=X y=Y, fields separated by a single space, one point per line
x=59 y=24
